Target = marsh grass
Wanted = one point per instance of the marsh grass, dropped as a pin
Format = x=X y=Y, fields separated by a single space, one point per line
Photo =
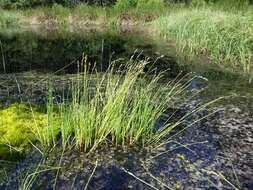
x=47 y=134
x=91 y=12
x=120 y=107
x=140 y=5
x=27 y=179
x=233 y=5
x=226 y=37
x=84 y=14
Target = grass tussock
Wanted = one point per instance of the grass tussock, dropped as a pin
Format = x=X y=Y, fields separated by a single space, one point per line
x=118 y=109
x=226 y=37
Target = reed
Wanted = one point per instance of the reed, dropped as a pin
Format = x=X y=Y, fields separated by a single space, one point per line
x=226 y=37
x=120 y=108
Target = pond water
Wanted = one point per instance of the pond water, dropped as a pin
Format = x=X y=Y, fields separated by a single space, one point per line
x=220 y=151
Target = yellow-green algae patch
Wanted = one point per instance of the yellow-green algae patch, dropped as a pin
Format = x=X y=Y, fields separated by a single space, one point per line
x=18 y=125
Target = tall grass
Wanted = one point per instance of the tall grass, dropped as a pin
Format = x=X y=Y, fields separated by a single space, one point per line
x=90 y=12
x=86 y=14
x=140 y=9
x=139 y=4
x=120 y=109
x=233 y=5
x=226 y=37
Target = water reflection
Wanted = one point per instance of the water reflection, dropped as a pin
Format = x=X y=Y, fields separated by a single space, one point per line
x=51 y=51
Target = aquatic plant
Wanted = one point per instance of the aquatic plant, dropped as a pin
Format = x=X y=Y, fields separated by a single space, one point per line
x=121 y=109
x=27 y=179
x=226 y=37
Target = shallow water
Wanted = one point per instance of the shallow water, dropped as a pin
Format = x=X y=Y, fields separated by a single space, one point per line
x=220 y=144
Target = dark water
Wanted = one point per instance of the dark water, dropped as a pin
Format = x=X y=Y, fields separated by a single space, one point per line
x=29 y=57
x=51 y=51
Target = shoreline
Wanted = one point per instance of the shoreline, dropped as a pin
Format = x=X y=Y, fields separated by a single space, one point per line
x=98 y=19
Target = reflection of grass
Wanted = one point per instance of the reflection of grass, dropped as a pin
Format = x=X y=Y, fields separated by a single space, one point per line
x=225 y=36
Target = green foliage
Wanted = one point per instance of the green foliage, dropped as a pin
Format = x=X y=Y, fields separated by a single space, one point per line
x=226 y=37
x=16 y=4
x=57 y=14
x=140 y=4
x=18 y=123
x=58 y=11
x=9 y=4
x=9 y=19
x=232 y=5
x=151 y=4
x=125 y=4
x=198 y=3
x=90 y=12
x=47 y=135
x=121 y=109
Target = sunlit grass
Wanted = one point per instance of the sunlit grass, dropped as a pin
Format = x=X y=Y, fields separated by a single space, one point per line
x=84 y=14
x=119 y=108
x=226 y=37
